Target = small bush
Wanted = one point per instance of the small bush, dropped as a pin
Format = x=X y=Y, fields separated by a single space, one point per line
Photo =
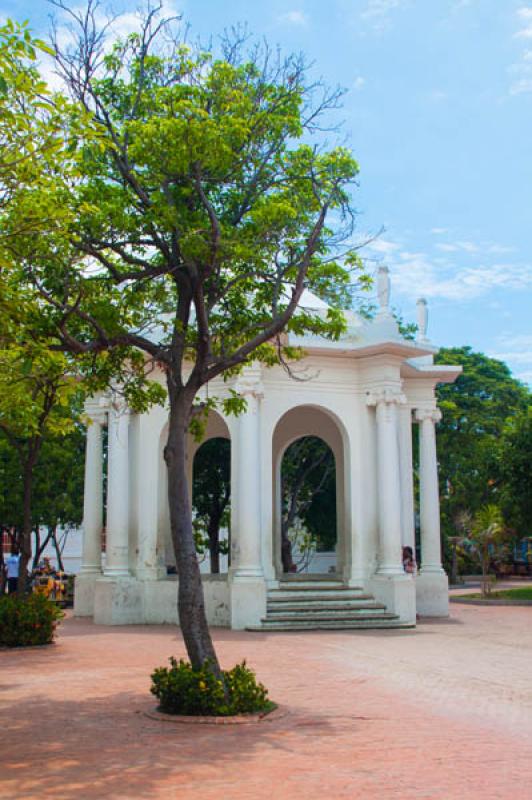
x=183 y=690
x=27 y=621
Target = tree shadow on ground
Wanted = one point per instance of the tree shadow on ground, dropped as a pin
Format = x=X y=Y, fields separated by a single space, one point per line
x=107 y=747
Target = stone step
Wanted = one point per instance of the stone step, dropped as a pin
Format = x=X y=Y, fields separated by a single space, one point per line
x=321 y=608
x=353 y=624
x=311 y=599
x=315 y=586
x=320 y=616
x=280 y=595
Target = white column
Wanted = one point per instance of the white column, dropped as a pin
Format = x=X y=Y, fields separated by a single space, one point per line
x=246 y=528
x=117 y=529
x=429 y=491
x=407 y=476
x=148 y=499
x=388 y=480
x=91 y=558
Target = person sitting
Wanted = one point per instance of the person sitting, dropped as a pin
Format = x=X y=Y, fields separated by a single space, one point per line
x=409 y=562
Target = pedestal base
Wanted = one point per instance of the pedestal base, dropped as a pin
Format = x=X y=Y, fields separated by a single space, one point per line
x=398 y=593
x=118 y=601
x=248 y=602
x=432 y=594
x=84 y=587
x=130 y=601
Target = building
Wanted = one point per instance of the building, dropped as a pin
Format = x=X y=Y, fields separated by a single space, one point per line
x=361 y=395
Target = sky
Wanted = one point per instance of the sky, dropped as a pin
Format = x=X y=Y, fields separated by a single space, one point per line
x=438 y=113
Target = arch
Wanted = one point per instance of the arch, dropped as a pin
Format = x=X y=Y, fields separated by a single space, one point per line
x=311 y=420
x=216 y=427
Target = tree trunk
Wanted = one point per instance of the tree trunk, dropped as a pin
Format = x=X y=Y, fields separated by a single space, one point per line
x=214 y=540
x=191 y=604
x=58 y=553
x=286 y=550
x=25 y=537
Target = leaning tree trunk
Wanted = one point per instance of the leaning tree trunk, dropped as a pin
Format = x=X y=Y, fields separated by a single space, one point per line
x=286 y=549
x=213 y=532
x=25 y=537
x=191 y=603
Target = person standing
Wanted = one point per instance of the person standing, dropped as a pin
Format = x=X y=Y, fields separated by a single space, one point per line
x=12 y=567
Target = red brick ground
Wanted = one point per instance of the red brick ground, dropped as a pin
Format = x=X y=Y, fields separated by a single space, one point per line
x=440 y=712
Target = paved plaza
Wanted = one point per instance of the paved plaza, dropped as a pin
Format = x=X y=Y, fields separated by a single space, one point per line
x=443 y=711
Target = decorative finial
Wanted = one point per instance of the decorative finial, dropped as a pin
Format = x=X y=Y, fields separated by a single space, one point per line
x=383 y=290
x=422 y=319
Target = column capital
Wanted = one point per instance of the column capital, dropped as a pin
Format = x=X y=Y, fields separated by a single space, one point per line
x=431 y=413
x=96 y=408
x=249 y=383
x=385 y=394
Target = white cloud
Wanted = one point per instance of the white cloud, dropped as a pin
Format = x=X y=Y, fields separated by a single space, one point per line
x=516 y=350
x=378 y=13
x=293 y=18
x=524 y=14
x=521 y=71
x=424 y=275
x=439 y=231
x=358 y=83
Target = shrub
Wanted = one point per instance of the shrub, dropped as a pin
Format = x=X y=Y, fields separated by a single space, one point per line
x=26 y=621
x=181 y=689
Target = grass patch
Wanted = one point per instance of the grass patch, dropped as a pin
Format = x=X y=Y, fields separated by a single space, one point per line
x=523 y=593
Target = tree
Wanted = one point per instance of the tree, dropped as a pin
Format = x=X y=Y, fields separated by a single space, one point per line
x=515 y=470
x=486 y=536
x=476 y=410
x=211 y=496
x=36 y=394
x=208 y=212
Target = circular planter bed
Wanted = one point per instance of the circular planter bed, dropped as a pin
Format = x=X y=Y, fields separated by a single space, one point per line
x=239 y=719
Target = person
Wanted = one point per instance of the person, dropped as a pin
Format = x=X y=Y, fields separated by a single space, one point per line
x=12 y=567
x=409 y=562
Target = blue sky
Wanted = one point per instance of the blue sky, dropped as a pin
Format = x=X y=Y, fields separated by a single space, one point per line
x=439 y=116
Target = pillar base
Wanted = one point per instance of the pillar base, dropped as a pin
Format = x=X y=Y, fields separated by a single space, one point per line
x=84 y=587
x=398 y=593
x=118 y=601
x=247 y=602
x=432 y=594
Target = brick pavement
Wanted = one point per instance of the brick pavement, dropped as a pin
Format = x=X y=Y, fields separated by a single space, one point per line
x=443 y=712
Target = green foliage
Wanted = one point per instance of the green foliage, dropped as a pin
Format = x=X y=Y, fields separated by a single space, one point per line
x=27 y=621
x=477 y=410
x=486 y=538
x=181 y=689
x=515 y=470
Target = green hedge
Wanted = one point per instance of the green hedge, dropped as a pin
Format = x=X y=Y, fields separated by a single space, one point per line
x=27 y=621
x=183 y=690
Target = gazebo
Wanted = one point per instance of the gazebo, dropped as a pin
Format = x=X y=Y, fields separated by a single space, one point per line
x=361 y=395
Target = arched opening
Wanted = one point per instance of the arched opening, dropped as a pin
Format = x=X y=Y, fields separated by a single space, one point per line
x=211 y=502
x=308 y=506
x=213 y=466
x=309 y=480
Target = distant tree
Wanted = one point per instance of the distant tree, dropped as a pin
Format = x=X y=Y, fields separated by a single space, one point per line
x=486 y=538
x=476 y=409
x=211 y=496
x=515 y=471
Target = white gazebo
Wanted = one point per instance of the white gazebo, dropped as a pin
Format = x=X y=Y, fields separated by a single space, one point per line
x=361 y=395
